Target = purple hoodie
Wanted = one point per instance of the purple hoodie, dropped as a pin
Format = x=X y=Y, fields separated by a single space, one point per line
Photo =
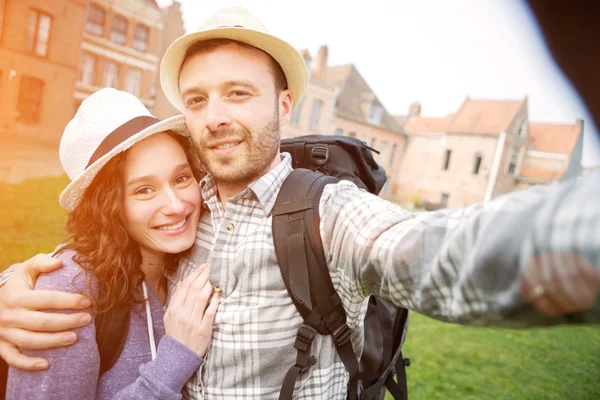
x=73 y=372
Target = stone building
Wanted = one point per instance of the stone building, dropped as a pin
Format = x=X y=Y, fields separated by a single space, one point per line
x=339 y=101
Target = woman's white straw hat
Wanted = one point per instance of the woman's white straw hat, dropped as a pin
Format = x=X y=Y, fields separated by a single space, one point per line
x=107 y=123
x=234 y=23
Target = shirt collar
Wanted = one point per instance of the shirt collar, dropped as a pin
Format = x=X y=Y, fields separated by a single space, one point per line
x=265 y=188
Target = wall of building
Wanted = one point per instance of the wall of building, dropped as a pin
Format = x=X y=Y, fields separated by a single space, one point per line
x=57 y=69
x=104 y=50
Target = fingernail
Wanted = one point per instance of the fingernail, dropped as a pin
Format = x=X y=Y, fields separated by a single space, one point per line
x=69 y=338
x=41 y=365
x=85 y=319
x=85 y=303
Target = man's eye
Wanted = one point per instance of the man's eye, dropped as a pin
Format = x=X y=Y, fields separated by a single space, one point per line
x=239 y=93
x=194 y=101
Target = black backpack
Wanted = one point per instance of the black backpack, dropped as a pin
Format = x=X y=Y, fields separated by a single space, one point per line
x=317 y=161
x=111 y=333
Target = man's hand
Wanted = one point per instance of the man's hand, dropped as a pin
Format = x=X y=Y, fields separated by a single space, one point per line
x=560 y=283
x=24 y=326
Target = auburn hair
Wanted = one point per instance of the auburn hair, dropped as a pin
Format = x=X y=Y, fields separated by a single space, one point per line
x=97 y=232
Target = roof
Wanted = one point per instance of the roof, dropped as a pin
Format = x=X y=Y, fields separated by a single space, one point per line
x=554 y=138
x=416 y=125
x=354 y=90
x=540 y=175
x=485 y=116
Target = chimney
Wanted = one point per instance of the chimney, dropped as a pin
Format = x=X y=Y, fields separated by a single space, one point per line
x=320 y=64
x=414 y=110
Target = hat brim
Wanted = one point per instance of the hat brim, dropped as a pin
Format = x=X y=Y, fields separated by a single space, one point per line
x=292 y=63
x=73 y=193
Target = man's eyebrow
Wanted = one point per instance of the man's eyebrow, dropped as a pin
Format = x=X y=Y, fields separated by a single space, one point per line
x=241 y=82
x=148 y=177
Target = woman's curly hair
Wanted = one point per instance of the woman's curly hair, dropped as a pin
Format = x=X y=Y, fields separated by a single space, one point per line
x=99 y=236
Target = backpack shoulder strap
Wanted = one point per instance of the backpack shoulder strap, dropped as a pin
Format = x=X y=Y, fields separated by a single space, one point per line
x=299 y=250
x=112 y=328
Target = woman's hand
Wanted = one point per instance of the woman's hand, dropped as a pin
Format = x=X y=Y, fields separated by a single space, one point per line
x=191 y=312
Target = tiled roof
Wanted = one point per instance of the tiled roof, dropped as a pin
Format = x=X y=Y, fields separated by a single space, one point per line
x=540 y=175
x=485 y=116
x=554 y=138
x=353 y=90
x=417 y=125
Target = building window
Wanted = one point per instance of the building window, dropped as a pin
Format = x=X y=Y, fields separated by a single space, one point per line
x=140 y=38
x=372 y=142
x=315 y=114
x=38 y=33
x=394 y=147
x=444 y=201
x=87 y=69
x=447 y=160
x=295 y=120
x=111 y=75
x=352 y=134
x=118 y=34
x=95 y=21
x=477 y=164
x=133 y=81
x=339 y=131
x=375 y=114
x=382 y=152
x=30 y=99
x=513 y=160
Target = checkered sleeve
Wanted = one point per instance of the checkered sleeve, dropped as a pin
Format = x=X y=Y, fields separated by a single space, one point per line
x=459 y=265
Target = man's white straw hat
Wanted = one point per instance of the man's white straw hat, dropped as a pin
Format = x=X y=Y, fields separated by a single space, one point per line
x=235 y=23
x=107 y=123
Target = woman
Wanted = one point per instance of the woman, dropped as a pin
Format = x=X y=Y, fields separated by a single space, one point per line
x=133 y=205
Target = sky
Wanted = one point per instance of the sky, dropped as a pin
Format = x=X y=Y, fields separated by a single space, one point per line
x=435 y=52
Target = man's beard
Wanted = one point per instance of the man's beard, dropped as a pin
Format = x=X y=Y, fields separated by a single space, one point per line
x=260 y=150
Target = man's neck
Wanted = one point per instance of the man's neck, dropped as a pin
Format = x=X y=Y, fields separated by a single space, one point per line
x=226 y=190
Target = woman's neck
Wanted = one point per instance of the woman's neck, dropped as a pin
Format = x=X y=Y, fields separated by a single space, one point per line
x=154 y=269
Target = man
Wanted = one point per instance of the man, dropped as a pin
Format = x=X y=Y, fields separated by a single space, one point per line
x=497 y=264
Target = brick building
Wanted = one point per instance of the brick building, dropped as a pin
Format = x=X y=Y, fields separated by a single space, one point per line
x=123 y=42
x=53 y=54
x=39 y=42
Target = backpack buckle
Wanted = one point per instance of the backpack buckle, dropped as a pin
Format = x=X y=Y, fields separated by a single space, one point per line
x=319 y=154
x=341 y=335
x=304 y=338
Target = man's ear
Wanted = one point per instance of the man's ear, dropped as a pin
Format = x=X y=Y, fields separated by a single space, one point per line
x=285 y=107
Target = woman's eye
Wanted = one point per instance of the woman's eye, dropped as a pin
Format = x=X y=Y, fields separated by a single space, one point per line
x=143 y=191
x=182 y=179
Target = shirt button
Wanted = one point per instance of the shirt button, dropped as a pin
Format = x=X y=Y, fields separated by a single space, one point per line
x=229 y=226
x=245 y=196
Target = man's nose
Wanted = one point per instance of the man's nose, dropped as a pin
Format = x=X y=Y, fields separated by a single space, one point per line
x=218 y=114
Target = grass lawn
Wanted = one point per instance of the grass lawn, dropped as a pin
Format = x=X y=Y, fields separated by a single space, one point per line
x=448 y=361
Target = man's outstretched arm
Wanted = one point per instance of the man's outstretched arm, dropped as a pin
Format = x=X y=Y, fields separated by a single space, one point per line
x=23 y=322
x=530 y=258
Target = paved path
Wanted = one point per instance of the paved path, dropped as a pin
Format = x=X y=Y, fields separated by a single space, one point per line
x=20 y=162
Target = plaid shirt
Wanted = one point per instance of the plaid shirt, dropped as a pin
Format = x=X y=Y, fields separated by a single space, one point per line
x=459 y=265
x=454 y=265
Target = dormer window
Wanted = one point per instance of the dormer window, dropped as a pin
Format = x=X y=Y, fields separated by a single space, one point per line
x=375 y=114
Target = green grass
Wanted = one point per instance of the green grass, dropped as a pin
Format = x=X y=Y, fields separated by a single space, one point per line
x=31 y=221
x=456 y=362
x=448 y=361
